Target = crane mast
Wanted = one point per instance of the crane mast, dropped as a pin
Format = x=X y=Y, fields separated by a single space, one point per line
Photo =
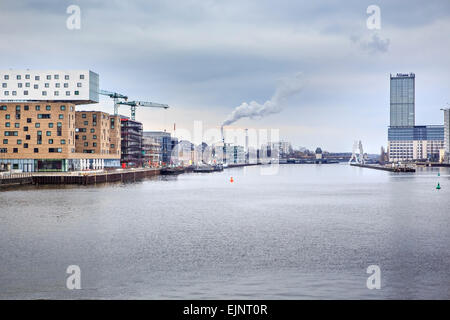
x=115 y=96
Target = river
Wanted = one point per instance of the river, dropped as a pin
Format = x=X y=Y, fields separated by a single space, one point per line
x=302 y=232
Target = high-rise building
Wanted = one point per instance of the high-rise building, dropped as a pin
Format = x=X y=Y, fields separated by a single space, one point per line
x=447 y=134
x=402 y=100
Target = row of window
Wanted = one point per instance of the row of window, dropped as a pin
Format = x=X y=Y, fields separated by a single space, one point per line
x=37 y=78
x=46 y=85
x=37 y=108
x=36 y=125
x=19 y=141
x=44 y=93
x=36 y=150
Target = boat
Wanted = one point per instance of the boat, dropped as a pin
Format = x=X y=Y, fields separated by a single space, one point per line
x=208 y=168
x=172 y=171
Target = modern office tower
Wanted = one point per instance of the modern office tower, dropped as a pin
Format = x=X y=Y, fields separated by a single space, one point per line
x=165 y=142
x=74 y=86
x=447 y=134
x=415 y=143
x=402 y=100
x=131 y=144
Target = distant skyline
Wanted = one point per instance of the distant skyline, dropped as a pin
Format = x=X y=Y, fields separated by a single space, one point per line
x=205 y=57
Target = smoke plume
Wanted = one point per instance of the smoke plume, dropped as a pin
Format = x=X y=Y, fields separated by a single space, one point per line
x=254 y=110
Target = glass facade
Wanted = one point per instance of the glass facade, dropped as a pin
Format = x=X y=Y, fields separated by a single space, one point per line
x=402 y=112
x=416 y=133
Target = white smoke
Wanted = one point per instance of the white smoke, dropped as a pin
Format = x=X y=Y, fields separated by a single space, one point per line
x=252 y=110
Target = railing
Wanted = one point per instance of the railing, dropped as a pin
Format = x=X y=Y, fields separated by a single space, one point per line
x=7 y=175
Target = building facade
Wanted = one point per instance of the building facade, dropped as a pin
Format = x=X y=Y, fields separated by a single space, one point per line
x=151 y=151
x=165 y=142
x=415 y=143
x=446 y=135
x=74 y=86
x=402 y=100
x=40 y=136
x=131 y=142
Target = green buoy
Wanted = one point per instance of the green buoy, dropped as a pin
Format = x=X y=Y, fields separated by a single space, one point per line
x=438 y=186
x=439 y=174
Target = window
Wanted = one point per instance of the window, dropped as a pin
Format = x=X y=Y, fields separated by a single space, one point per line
x=28 y=120
x=5 y=141
x=57 y=85
x=77 y=93
x=79 y=85
x=6 y=77
x=49 y=77
x=27 y=137
x=3 y=150
x=7 y=124
x=25 y=145
x=86 y=123
x=48 y=133
x=37 y=125
x=36 y=86
x=67 y=93
x=94 y=137
x=44 y=93
x=27 y=76
x=66 y=77
x=37 y=78
x=36 y=150
x=48 y=108
x=26 y=108
x=16 y=125
x=56 y=77
x=25 y=129
x=18 y=77
x=43 y=116
x=63 y=141
x=14 y=93
x=19 y=85
x=38 y=108
x=61 y=116
x=6 y=93
x=50 y=125
x=94 y=144
x=63 y=108
x=4 y=85
x=15 y=150
x=19 y=141
x=66 y=85
x=84 y=137
x=112 y=145
x=25 y=93
x=81 y=76
x=27 y=84
x=50 y=141
x=7 y=116
x=86 y=144
x=92 y=130
x=83 y=115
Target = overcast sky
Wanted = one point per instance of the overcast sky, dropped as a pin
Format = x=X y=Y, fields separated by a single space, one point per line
x=206 y=57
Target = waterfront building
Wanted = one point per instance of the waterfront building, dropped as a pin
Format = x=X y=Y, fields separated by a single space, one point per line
x=284 y=148
x=233 y=154
x=446 y=135
x=406 y=141
x=402 y=100
x=151 y=151
x=99 y=133
x=415 y=143
x=38 y=122
x=165 y=142
x=131 y=142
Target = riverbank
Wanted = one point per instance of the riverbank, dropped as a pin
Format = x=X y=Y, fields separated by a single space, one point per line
x=384 y=168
